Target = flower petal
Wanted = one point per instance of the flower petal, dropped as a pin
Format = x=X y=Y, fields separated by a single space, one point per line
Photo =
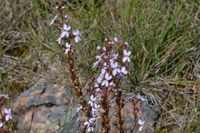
x=1 y=125
x=140 y=128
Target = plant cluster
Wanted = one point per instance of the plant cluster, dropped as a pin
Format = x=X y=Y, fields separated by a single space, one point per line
x=112 y=63
x=113 y=68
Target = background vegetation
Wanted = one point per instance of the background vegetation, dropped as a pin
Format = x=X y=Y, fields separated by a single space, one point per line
x=164 y=36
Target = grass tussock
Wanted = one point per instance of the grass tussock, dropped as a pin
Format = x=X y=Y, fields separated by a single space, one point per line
x=163 y=36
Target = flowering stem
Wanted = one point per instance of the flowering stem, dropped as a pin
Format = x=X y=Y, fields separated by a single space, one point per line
x=104 y=118
x=135 y=110
x=118 y=111
x=76 y=86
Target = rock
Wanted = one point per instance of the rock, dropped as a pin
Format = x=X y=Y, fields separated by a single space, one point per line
x=49 y=108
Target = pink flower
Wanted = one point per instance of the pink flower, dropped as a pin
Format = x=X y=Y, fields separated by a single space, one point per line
x=98 y=47
x=59 y=40
x=7 y=113
x=108 y=76
x=79 y=108
x=3 y=96
x=77 y=36
x=141 y=123
x=66 y=16
x=67 y=48
x=103 y=71
x=104 y=49
x=1 y=125
x=99 y=79
x=92 y=98
x=124 y=70
x=90 y=129
x=126 y=43
x=86 y=123
x=106 y=81
x=112 y=84
x=126 y=57
x=65 y=31
x=116 y=39
x=140 y=97
x=92 y=120
x=115 y=70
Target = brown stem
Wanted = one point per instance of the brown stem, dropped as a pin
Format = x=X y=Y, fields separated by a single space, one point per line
x=76 y=86
x=104 y=118
x=135 y=110
x=118 y=111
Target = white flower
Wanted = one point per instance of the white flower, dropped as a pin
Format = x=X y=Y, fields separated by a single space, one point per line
x=7 y=112
x=1 y=125
x=67 y=48
x=124 y=71
x=126 y=57
x=53 y=20
x=77 y=36
x=141 y=123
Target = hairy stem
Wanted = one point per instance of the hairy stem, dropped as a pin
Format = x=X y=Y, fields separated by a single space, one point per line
x=104 y=118
x=118 y=112
x=76 y=86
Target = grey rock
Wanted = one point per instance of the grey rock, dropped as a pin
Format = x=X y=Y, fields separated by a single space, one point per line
x=50 y=108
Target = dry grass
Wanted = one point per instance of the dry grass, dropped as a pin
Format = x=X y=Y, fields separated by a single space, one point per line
x=163 y=35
